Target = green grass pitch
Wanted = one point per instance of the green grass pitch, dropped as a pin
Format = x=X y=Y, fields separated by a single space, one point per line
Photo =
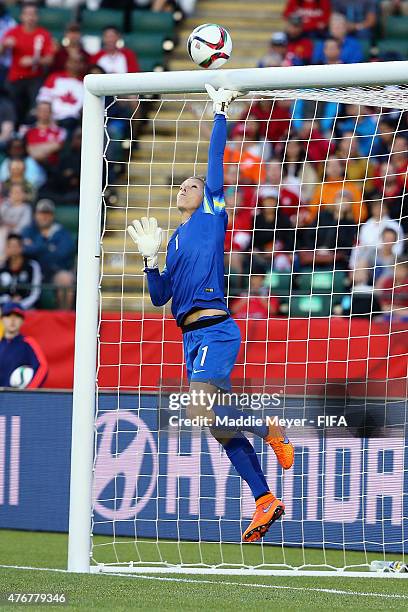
x=181 y=592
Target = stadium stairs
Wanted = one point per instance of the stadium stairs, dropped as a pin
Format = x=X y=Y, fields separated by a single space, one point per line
x=250 y=25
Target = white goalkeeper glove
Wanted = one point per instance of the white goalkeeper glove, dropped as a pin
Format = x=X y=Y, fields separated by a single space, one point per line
x=148 y=237
x=221 y=99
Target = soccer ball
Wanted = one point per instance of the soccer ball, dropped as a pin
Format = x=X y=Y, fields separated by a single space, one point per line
x=209 y=45
x=21 y=377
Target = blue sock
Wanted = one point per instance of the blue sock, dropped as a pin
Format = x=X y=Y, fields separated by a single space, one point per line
x=243 y=457
x=232 y=413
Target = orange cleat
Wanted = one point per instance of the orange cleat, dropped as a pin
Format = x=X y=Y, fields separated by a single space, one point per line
x=268 y=510
x=283 y=448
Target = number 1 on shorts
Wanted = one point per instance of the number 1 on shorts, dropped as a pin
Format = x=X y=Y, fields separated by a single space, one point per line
x=204 y=349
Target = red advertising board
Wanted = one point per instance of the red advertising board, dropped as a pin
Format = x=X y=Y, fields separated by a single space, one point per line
x=300 y=354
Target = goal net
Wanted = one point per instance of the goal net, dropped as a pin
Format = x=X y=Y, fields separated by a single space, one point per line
x=316 y=277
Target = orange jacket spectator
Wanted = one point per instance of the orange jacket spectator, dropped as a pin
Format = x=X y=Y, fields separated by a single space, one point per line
x=332 y=188
x=251 y=168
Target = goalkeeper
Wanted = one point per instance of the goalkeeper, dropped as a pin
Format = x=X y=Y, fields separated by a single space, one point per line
x=194 y=278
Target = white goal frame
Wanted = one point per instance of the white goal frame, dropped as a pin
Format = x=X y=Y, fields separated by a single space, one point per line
x=88 y=276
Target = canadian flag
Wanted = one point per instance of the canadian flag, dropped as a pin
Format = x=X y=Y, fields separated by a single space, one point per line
x=65 y=94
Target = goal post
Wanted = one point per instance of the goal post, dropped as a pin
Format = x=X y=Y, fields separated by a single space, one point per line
x=306 y=81
x=86 y=326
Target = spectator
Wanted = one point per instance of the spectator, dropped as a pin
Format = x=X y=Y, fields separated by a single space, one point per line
x=114 y=57
x=272 y=259
x=396 y=8
x=298 y=45
x=68 y=170
x=278 y=46
x=287 y=188
x=323 y=114
x=392 y=290
x=53 y=247
x=350 y=48
x=270 y=60
x=359 y=123
x=399 y=158
x=314 y=13
x=32 y=52
x=333 y=185
x=17 y=176
x=272 y=226
x=17 y=350
x=369 y=239
x=318 y=147
x=6 y=23
x=240 y=223
x=45 y=139
x=381 y=260
x=71 y=45
x=297 y=172
x=33 y=172
x=238 y=236
x=359 y=169
x=390 y=187
x=362 y=300
x=7 y=118
x=244 y=150
x=331 y=51
x=272 y=119
x=384 y=139
x=361 y=16
x=20 y=277
x=256 y=303
x=15 y=213
x=332 y=235
x=233 y=180
x=65 y=92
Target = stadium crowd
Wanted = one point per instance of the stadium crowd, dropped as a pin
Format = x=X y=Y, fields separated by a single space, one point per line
x=41 y=98
x=321 y=187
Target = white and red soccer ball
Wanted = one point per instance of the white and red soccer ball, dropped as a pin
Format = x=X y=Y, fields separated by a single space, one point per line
x=209 y=45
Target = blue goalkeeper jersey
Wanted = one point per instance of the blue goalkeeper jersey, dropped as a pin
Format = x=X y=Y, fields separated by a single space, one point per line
x=194 y=272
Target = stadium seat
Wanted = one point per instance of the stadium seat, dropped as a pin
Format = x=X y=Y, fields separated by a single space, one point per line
x=93 y=22
x=149 y=62
x=396 y=27
x=147 y=21
x=14 y=10
x=47 y=299
x=53 y=19
x=145 y=44
x=366 y=48
x=310 y=306
x=395 y=45
x=67 y=215
x=279 y=283
x=321 y=281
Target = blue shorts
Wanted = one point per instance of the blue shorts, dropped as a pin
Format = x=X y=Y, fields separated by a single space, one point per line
x=211 y=352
